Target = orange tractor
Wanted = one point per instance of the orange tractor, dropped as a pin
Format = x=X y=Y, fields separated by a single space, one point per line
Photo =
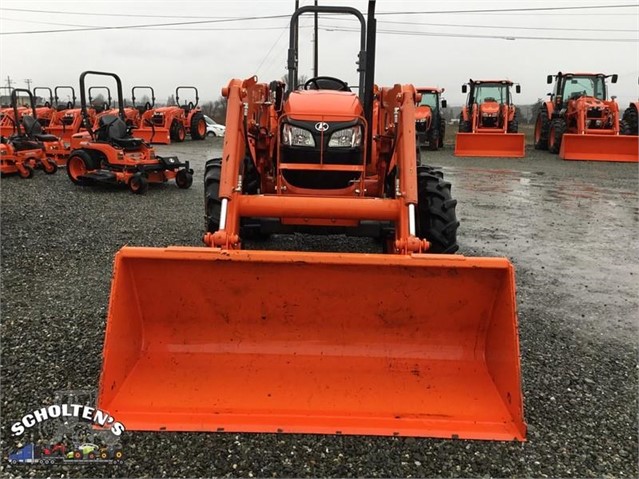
x=110 y=155
x=131 y=115
x=580 y=123
x=44 y=109
x=67 y=119
x=488 y=124
x=29 y=148
x=413 y=342
x=429 y=121
x=173 y=123
x=145 y=128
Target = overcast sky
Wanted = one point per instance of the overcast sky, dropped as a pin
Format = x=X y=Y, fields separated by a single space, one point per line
x=440 y=49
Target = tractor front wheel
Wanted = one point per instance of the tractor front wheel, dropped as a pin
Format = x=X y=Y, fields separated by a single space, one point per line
x=513 y=126
x=556 y=133
x=198 y=126
x=542 y=127
x=212 y=202
x=442 y=132
x=436 y=217
x=433 y=138
x=177 y=132
x=629 y=124
x=183 y=179
x=138 y=184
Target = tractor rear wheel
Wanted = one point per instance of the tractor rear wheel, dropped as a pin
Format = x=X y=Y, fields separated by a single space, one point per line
x=79 y=164
x=198 y=126
x=556 y=133
x=542 y=127
x=138 y=184
x=436 y=218
x=212 y=202
x=442 y=132
x=177 y=131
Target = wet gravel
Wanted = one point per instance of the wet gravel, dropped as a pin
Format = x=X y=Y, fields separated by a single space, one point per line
x=570 y=228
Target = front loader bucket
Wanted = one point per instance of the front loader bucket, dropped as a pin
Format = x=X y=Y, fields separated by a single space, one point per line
x=264 y=341
x=160 y=135
x=600 y=147
x=501 y=145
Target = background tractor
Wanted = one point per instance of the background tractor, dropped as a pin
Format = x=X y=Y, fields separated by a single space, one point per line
x=488 y=124
x=44 y=109
x=580 y=123
x=429 y=121
x=414 y=342
x=628 y=124
x=67 y=119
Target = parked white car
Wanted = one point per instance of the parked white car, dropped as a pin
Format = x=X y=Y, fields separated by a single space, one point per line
x=213 y=128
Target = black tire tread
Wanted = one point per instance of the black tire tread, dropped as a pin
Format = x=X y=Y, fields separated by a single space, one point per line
x=558 y=127
x=542 y=144
x=212 y=202
x=195 y=119
x=436 y=216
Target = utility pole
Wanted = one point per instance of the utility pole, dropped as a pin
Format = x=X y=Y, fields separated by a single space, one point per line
x=315 y=46
x=28 y=81
x=9 y=82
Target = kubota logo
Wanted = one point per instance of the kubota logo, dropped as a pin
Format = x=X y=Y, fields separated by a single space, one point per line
x=321 y=126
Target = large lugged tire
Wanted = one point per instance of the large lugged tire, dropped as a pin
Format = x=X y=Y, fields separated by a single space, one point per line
x=629 y=125
x=436 y=217
x=464 y=126
x=198 y=126
x=212 y=202
x=542 y=128
x=442 y=132
x=556 y=133
x=513 y=126
x=433 y=138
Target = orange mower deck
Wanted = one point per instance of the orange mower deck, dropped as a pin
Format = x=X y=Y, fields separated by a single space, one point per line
x=592 y=147
x=263 y=341
x=501 y=145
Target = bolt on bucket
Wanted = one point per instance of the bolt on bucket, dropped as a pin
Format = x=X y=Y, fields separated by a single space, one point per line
x=199 y=339
x=501 y=145
x=618 y=148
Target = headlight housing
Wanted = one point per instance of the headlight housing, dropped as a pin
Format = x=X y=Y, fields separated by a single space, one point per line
x=295 y=136
x=346 y=138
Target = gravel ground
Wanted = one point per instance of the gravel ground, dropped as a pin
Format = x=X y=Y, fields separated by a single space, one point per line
x=570 y=228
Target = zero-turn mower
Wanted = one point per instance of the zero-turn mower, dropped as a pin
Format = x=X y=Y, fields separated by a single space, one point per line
x=67 y=119
x=580 y=123
x=109 y=154
x=488 y=124
x=413 y=342
x=29 y=148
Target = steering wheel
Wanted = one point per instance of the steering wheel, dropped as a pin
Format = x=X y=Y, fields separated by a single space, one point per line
x=47 y=104
x=69 y=105
x=147 y=106
x=337 y=84
x=191 y=105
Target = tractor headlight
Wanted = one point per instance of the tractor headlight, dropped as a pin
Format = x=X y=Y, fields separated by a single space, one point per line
x=295 y=136
x=346 y=138
x=421 y=120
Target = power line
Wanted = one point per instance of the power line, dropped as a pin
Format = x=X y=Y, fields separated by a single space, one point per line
x=494 y=37
x=124 y=27
x=502 y=10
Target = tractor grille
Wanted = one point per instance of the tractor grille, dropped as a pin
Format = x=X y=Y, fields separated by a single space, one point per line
x=594 y=113
x=158 y=119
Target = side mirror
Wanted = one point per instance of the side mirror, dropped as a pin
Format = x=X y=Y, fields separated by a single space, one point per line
x=464 y=88
x=444 y=103
x=549 y=79
x=614 y=78
x=518 y=88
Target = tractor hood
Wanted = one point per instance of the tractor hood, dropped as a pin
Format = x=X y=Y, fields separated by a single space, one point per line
x=590 y=102
x=423 y=113
x=489 y=108
x=326 y=105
